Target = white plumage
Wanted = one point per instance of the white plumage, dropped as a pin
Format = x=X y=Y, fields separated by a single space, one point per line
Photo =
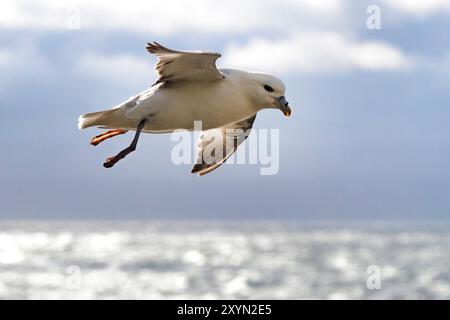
x=190 y=88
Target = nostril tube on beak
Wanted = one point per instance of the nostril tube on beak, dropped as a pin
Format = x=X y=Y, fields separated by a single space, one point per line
x=283 y=105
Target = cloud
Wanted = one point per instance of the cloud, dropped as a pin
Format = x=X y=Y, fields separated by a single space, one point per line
x=121 y=68
x=315 y=52
x=22 y=60
x=4 y=57
x=169 y=16
x=419 y=7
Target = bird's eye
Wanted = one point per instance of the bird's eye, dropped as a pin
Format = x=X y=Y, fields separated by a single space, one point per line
x=268 y=88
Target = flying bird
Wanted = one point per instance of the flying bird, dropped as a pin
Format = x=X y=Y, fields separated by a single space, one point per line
x=191 y=88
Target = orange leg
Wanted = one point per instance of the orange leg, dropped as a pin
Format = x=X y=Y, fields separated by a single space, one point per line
x=106 y=135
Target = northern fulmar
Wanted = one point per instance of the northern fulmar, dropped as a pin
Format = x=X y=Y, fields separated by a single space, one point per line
x=191 y=88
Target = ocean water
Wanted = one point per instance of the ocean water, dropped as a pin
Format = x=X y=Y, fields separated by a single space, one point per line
x=209 y=260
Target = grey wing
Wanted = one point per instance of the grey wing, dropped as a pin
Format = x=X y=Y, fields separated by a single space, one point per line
x=215 y=146
x=175 y=65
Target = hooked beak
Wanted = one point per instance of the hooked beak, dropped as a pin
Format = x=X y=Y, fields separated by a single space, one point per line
x=282 y=104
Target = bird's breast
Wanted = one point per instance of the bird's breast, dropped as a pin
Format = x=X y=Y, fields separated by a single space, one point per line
x=179 y=106
x=214 y=105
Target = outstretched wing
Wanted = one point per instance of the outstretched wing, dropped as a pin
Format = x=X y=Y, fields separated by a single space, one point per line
x=215 y=146
x=184 y=65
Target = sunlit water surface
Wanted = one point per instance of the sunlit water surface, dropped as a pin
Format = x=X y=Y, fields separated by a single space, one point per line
x=209 y=260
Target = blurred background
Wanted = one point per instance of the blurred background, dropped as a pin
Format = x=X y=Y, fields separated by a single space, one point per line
x=364 y=159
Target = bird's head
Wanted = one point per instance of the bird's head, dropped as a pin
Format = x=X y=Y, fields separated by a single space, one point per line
x=269 y=92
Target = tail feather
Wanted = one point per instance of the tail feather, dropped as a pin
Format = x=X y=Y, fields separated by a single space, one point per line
x=95 y=119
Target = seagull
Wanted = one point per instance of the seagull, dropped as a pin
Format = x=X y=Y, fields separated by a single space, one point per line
x=191 y=88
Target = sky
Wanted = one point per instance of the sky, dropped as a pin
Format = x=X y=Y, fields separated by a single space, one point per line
x=369 y=138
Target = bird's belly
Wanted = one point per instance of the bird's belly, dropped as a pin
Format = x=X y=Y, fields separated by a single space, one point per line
x=170 y=119
x=174 y=110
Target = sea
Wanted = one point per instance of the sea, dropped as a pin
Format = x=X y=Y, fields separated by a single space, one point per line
x=224 y=260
